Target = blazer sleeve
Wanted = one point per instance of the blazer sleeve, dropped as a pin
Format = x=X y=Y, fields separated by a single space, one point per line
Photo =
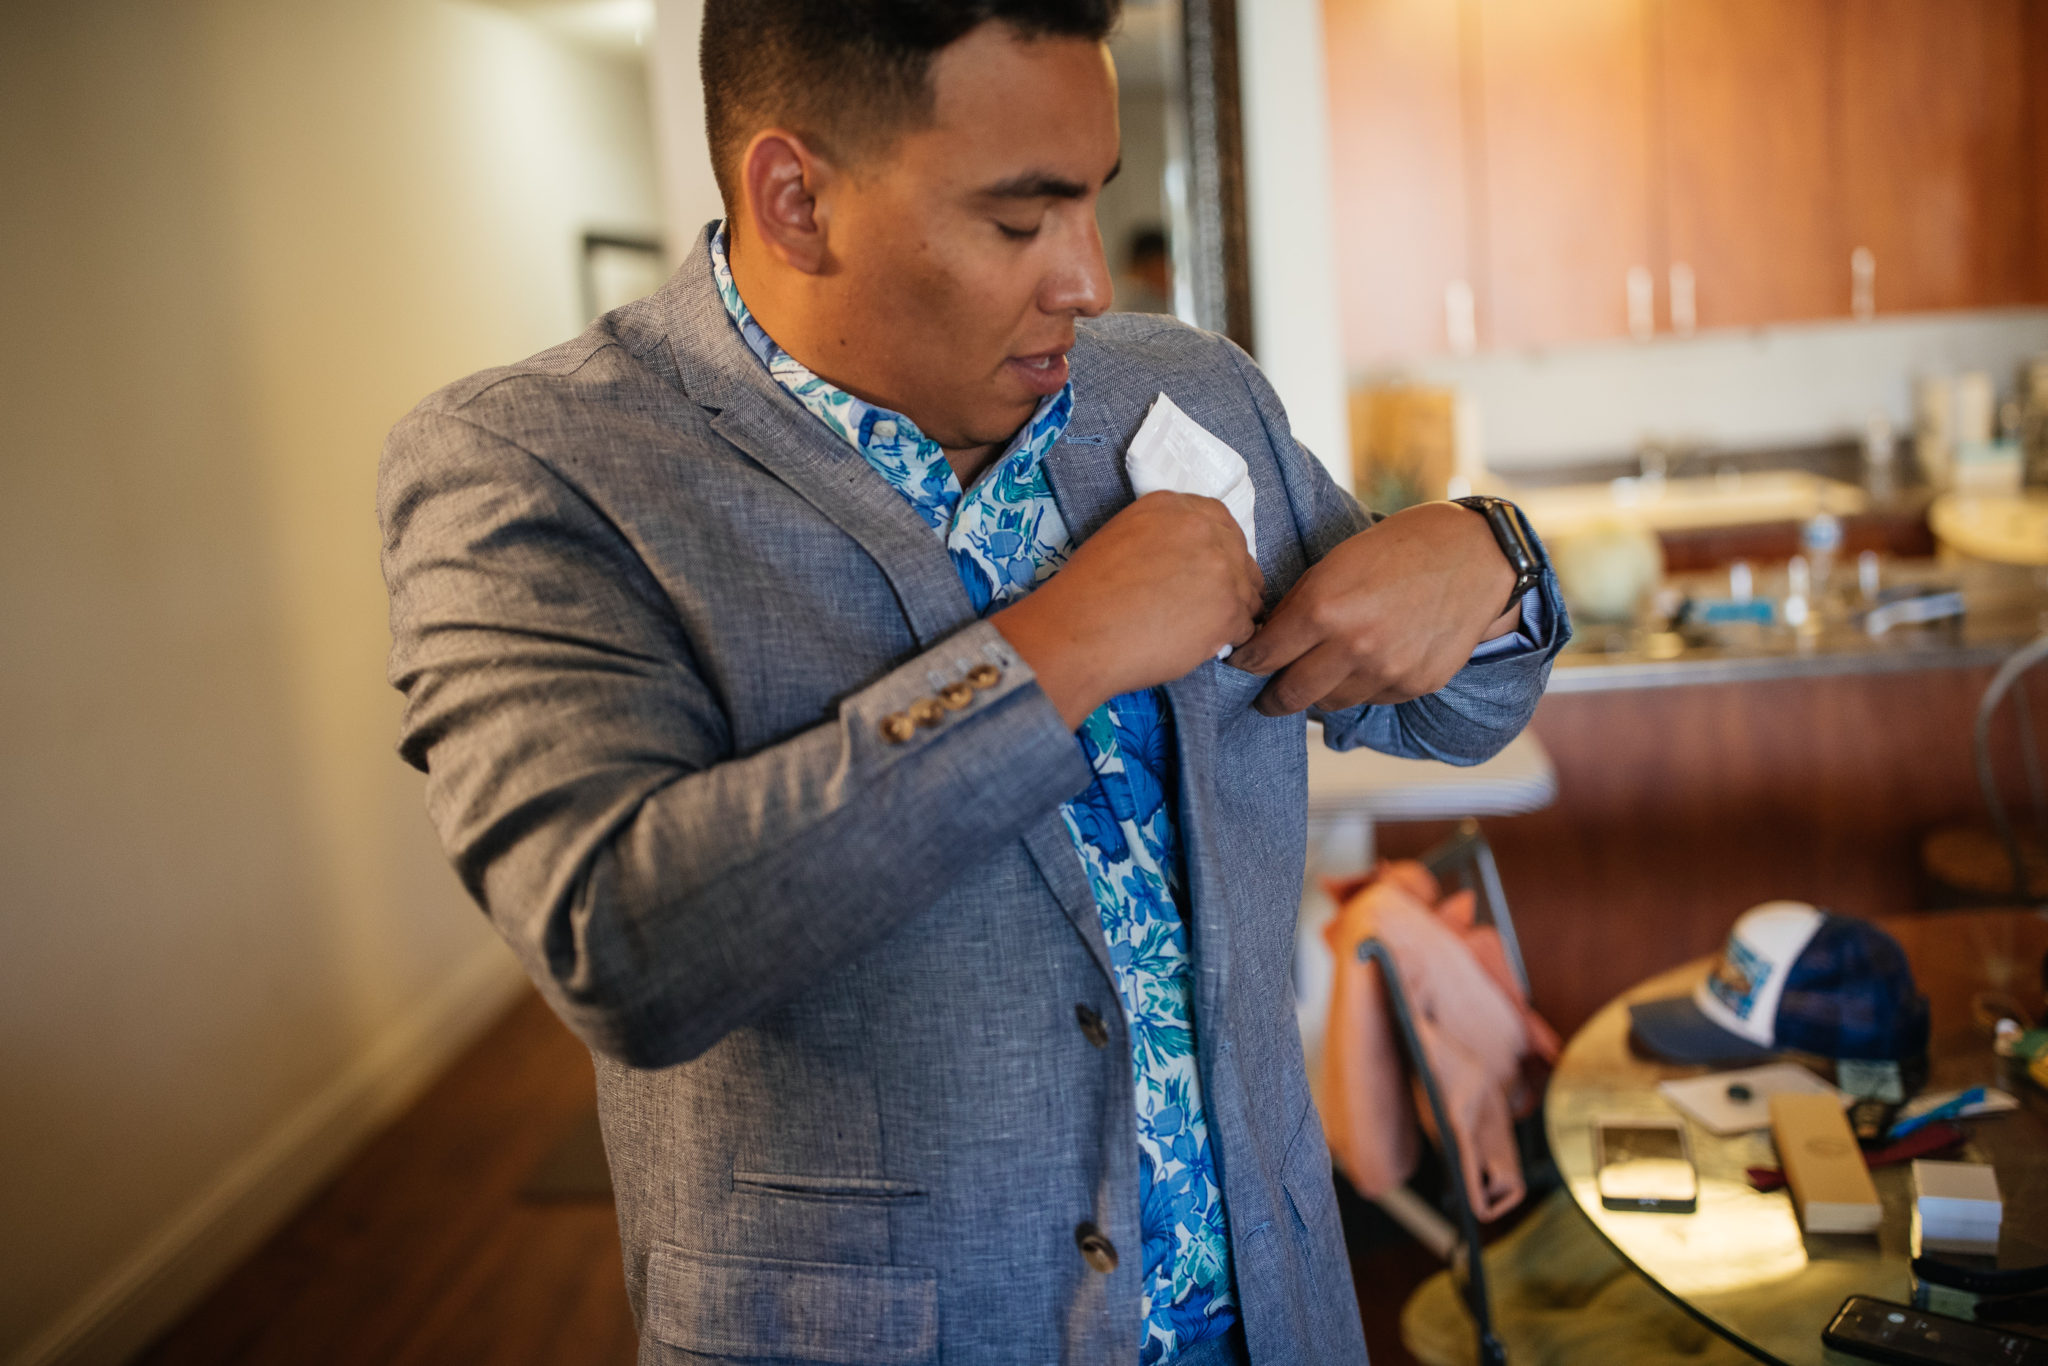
x=1486 y=704
x=660 y=891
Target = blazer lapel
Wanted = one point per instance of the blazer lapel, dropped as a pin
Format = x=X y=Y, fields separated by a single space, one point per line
x=1195 y=704
x=1089 y=484
x=833 y=478
x=757 y=415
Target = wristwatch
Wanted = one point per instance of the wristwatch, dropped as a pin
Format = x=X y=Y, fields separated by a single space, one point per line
x=1516 y=544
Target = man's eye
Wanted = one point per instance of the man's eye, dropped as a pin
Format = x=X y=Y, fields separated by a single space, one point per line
x=1017 y=234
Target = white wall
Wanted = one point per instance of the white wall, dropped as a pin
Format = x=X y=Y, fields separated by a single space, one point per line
x=689 y=193
x=1777 y=386
x=240 y=239
x=1298 y=337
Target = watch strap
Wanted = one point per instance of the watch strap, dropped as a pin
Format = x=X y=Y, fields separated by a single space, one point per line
x=1517 y=546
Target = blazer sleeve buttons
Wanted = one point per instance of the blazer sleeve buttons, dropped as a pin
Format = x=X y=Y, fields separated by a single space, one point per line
x=931 y=711
x=1096 y=1250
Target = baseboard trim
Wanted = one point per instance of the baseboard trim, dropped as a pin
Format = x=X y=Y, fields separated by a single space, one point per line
x=175 y=1266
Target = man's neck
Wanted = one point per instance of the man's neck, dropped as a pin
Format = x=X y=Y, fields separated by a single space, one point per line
x=792 y=326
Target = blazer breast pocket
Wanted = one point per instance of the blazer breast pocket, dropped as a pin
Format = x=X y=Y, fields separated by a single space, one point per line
x=786 y=1311
x=1235 y=689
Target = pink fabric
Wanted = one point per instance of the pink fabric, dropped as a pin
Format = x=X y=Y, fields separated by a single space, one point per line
x=1475 y=1027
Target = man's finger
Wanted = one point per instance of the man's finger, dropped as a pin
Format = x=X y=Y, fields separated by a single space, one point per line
x=1352 y=691
x=1288 y=634
x=1296 y=687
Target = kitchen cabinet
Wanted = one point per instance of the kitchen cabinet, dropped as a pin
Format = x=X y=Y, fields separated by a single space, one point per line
x=2034 y=48
x=1747 y=181
x=1598 y=169
x=1934 y=183
x=1562 y=137
x=1403 y=241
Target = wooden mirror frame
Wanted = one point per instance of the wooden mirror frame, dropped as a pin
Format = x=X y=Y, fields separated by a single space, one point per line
x=1220 y=253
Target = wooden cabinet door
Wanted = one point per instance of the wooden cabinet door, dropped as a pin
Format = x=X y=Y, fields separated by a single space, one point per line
x=1749 y=194
x=1930 y=104
x=1563 y=129
x=2034 y=53
x=1398 y=178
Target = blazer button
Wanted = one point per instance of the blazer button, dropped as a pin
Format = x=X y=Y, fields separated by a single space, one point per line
x=956 y=696
x=984 y=676
x=926 y=711
x=897 y=728
x=1092 y=1027
x=1096 y=1250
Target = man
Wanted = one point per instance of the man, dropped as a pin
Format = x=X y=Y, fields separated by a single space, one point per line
x=844 y=751
x=1147 y=285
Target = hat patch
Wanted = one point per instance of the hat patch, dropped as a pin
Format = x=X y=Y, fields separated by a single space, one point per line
x=1737 y=975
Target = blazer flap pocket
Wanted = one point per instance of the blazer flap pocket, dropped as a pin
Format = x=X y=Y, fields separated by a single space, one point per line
x=795 y=1311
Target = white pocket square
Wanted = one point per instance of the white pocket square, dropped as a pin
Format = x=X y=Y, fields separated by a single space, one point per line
x=1174 y=452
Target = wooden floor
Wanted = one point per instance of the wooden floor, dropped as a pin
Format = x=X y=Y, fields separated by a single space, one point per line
x=423 y=1253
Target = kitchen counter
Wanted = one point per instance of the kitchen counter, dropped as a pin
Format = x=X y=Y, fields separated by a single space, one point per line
x=1603 y=658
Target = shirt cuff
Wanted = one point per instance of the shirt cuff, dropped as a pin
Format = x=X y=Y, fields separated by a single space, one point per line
x=1527 y=637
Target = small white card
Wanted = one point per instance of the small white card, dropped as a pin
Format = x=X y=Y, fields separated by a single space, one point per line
x=1709 y=1100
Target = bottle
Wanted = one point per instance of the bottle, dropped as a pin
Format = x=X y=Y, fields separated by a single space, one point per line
x=1820 y=537
x=1880 y=449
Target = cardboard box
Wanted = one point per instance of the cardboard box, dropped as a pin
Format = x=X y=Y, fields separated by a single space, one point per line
x=1959 y=1206
x=1831 y=1185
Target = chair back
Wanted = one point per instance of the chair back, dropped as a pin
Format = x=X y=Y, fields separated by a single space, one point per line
x=1465 y=862
x=2009 y=680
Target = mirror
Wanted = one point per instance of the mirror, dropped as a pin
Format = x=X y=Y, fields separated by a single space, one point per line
x=1173 y=223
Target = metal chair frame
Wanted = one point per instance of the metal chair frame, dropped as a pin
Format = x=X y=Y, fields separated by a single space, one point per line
x=1464 y=860
x=2007 y=680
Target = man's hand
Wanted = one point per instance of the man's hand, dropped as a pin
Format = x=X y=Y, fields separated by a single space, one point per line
x=1389 y=615
x=1164 y=585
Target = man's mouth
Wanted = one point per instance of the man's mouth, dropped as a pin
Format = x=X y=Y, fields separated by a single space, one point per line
x=1042 y=373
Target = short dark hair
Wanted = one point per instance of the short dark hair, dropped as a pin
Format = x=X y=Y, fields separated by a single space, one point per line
x=848 y=74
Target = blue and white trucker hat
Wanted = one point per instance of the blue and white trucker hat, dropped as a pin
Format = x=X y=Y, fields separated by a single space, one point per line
x=1793 y=977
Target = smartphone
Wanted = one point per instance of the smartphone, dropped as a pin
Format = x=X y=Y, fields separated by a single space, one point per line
x=1881 y=1330
x=1645 y=1164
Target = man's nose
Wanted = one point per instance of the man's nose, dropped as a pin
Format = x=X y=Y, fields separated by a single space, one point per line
x=1080 y=282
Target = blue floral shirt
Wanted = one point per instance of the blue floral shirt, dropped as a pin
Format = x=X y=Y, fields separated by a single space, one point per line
x=1005 y=536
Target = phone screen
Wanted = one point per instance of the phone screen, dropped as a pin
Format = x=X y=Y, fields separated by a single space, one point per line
x=1645 y=1167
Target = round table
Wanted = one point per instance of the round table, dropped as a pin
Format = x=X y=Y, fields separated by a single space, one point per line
x=1740 y=1263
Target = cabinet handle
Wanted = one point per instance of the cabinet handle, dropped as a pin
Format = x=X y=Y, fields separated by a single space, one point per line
x=1862 y=284
x=1684 y=314
x=1461 y=318
x=1642 y=303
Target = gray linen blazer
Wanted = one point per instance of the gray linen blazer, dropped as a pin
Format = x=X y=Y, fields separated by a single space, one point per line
x=647 y=615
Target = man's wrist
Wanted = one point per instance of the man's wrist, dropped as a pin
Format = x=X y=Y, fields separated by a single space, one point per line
x=1518 y=549
x=1064 y=665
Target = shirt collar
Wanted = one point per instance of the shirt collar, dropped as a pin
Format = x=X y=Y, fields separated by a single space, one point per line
x=891 y=442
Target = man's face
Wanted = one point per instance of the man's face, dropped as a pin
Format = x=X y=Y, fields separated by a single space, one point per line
x=965 y=250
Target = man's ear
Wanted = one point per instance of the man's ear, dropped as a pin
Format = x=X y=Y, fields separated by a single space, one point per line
x=784 y=180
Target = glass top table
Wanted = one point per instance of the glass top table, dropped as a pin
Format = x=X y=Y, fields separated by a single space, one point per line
x=1740 y=1263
